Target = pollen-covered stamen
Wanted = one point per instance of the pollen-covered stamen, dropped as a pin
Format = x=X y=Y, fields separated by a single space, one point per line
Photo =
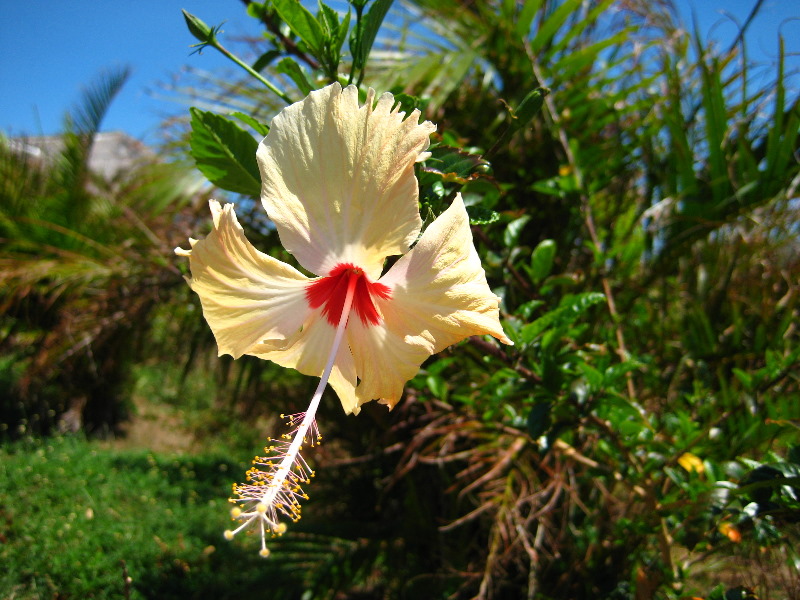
x=274 y=482
x=330 y=292
x=293 y=422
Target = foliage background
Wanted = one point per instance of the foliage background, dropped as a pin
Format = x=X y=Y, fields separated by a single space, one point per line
x=640 y=440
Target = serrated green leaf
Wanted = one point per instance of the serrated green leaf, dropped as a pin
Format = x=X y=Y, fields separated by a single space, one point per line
x=478 y=215
x=453 y=165
x=302 y=23
x=409 y=103
x=225 y=153
x=329 y=20
x=571 y=308
x=542 y=260
x=257 y=125
x=288 y=66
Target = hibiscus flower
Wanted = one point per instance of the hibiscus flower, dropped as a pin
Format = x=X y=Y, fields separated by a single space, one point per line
x=338 y=183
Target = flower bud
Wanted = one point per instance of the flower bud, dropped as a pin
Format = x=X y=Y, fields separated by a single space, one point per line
x=198 y=28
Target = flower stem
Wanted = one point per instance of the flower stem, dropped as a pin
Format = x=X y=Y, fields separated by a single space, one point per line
x=271 y=86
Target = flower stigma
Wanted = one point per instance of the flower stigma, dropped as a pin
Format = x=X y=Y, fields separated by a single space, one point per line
x=274 y=482
x=330 y=293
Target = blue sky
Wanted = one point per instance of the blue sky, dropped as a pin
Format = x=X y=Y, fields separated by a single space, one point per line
x=51 y=48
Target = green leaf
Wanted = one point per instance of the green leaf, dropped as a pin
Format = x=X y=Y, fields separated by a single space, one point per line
x=478 y=215
x=437 y=386
x=744 y=377
x=453 y=165
x=542 y=260
x=328 y=18
x=344 y=27
x=614 y=373
x=548 y=29
x=513 y=231
x=372 y=23
x=288 y=66
x=593 y=377
x=256 y=10
x=302 y=23
x=527 y=309
x=257 y=126
x=225 y=153
x=525 y=17
x=572 y=307
x=409 y=103
x=576 y=28
x=265 y=59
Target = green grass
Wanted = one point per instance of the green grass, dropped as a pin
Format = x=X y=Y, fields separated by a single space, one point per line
x=71 y=512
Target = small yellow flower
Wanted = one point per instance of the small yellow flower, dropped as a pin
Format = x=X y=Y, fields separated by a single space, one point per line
x=338 y=183
x=690 y=462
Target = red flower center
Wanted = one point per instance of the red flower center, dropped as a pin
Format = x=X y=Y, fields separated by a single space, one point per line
x=329 y=292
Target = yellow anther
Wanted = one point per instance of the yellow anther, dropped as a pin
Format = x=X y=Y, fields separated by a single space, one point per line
x=280 y=529
x=228 y=535
x=264 y=552
x=261 y=507
x=236 y=512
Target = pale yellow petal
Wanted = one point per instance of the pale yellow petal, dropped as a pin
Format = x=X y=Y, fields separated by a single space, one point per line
x=441 y=286
x=439 y=296
x=308 y=352
x=247 y=296
x=383 y=359
x=338 y=179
